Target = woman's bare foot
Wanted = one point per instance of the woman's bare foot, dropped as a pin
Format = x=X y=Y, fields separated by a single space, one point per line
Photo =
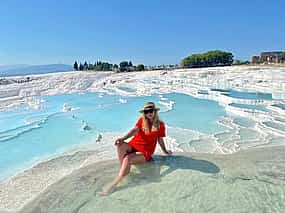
x=107 y=191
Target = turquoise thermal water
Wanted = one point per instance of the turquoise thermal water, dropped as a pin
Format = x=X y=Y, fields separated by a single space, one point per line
x=30 y=135
x=248 y=106
x=249 y=95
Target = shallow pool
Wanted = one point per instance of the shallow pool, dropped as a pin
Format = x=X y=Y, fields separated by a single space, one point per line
x=61 y=123
x=46 y=126
x=249 y=95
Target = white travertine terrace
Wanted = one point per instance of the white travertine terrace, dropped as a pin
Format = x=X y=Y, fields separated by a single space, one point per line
x=251 y=78
x=17 y=191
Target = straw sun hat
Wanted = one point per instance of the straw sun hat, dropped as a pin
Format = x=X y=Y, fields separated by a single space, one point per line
x=149 y=105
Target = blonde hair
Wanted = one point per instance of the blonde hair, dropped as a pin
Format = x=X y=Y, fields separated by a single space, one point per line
x=155 y=125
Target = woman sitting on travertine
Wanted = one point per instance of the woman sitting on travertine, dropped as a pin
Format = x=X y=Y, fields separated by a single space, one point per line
x=148 y=130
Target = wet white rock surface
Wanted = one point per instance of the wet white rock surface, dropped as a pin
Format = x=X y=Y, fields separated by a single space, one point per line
x=247 y=181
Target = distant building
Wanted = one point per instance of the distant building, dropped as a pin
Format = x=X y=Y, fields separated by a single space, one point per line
x=255 y=59
x=276 y=57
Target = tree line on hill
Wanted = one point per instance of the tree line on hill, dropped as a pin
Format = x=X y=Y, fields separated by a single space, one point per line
x=208 y=59
x=124 y=66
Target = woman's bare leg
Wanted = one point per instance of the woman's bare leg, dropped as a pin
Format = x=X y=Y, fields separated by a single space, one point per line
x=123 y=149
x=133 y=158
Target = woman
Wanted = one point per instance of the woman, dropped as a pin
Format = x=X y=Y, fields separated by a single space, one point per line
x=148 y=130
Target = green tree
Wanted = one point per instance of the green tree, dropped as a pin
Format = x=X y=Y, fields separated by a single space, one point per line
x=208 y=59
x=140 y=67
x=116 y=66
x=124 y=66
x=85 y=66
x=75 y=66
x=106 y=66
x=101 y=66
x=90 y=67
x=81 y=67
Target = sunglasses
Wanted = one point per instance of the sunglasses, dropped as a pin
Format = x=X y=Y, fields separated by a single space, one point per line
x=148 y=111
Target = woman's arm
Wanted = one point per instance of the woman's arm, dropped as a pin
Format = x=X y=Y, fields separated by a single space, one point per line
x=131 y=133
x=162 y=145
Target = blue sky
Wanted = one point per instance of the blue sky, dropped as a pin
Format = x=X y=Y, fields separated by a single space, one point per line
x=146 y=31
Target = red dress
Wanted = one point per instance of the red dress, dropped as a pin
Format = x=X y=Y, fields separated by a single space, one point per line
x=146 y=143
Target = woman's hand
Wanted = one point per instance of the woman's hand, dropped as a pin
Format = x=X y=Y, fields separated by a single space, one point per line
x=168 y=152
x=118 y=141
x=131 y=133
